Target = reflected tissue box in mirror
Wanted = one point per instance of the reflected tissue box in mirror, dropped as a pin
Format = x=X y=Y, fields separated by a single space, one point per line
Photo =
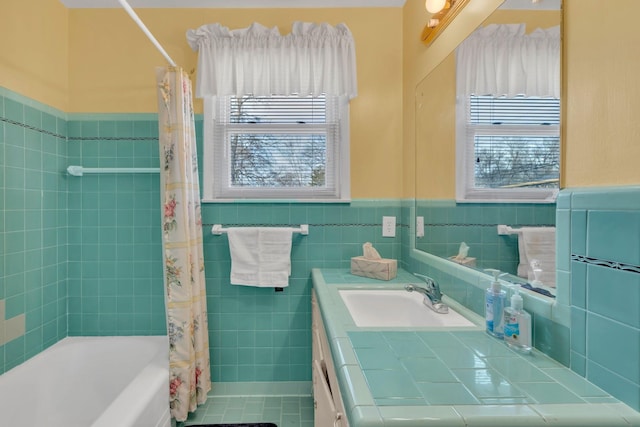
x=468 y=261
x=382 y=269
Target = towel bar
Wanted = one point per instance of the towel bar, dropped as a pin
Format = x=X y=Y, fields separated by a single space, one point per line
x=218 y=230
x=75 y=170
x=505 y=230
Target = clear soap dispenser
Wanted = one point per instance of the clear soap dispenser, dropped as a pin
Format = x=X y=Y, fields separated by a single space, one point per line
x=517 y=324
x=537 y=272
x=494 y=305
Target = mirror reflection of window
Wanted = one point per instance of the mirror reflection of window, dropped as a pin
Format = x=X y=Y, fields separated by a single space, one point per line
x=515 y=141
x=508 y=114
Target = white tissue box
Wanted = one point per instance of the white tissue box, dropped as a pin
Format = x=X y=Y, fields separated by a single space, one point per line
x=468 y=261
x=382 y=269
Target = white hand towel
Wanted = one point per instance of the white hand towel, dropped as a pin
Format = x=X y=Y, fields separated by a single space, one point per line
x=260 y=256
x=538 y=243
x=243 y=246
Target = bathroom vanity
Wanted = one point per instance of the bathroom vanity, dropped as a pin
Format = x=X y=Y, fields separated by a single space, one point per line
x=451 y=375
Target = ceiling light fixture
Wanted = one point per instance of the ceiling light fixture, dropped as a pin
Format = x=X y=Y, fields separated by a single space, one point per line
x=442 y=13
x=434 y=6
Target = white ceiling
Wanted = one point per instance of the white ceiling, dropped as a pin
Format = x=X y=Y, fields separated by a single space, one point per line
x=530 y=5
x=508 y=4
x=231 y=3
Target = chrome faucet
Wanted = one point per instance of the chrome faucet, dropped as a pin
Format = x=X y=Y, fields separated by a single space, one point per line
x=431 y=292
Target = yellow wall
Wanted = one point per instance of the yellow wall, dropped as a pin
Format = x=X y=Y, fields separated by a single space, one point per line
x=97 y=60
x=414 y=18
x=33 y=50
x=435 y=145
x=534 y=18
x=601 y=103
x=601 y=93
x=435 y=133
x=111 y=69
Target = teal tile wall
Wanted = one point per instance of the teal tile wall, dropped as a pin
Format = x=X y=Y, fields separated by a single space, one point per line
x=33 y=224
x=603 y=259
x=258 y=334
x=448 y=223
x=115 y=250
x=82 y=255
x=115 y=270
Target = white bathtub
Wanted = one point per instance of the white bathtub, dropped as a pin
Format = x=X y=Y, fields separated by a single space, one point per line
x=90 y=382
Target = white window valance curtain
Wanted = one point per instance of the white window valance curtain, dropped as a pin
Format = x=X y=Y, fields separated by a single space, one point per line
x=311 y=60
x=501 y=60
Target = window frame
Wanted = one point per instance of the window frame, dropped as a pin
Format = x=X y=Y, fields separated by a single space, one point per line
x=465 y=164
x=216 y=190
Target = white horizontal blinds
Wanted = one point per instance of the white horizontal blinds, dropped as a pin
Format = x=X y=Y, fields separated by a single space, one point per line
x=519 y=110
x=283 y=144
x=513 y=142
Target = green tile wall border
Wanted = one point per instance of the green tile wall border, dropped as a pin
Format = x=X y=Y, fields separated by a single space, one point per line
x=9 y=94
x=110 y=117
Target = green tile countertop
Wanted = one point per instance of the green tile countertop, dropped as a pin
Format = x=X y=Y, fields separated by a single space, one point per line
x=402 y=377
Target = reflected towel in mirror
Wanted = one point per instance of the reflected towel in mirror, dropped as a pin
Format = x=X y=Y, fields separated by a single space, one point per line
x=538 y=243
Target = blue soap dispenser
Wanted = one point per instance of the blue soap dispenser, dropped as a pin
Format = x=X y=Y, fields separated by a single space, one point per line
x=494 y=305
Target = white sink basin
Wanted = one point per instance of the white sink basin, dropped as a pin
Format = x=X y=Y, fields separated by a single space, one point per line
x=396 y=308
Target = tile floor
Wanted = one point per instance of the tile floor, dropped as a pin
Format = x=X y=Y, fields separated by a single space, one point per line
x=251 y=404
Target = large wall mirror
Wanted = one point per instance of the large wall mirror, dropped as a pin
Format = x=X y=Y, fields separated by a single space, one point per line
x=451 y=225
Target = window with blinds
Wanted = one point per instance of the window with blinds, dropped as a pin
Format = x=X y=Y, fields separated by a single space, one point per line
x=510 y=148
x=277 y=147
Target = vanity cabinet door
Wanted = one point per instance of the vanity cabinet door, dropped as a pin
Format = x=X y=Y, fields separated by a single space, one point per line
x=322 y=354
x=325 y=412
x=316 y=345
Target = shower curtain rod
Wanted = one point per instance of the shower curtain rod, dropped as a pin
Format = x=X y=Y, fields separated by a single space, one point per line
x=145 y=30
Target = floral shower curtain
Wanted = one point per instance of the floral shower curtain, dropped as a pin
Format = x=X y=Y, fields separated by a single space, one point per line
x=190 y=375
